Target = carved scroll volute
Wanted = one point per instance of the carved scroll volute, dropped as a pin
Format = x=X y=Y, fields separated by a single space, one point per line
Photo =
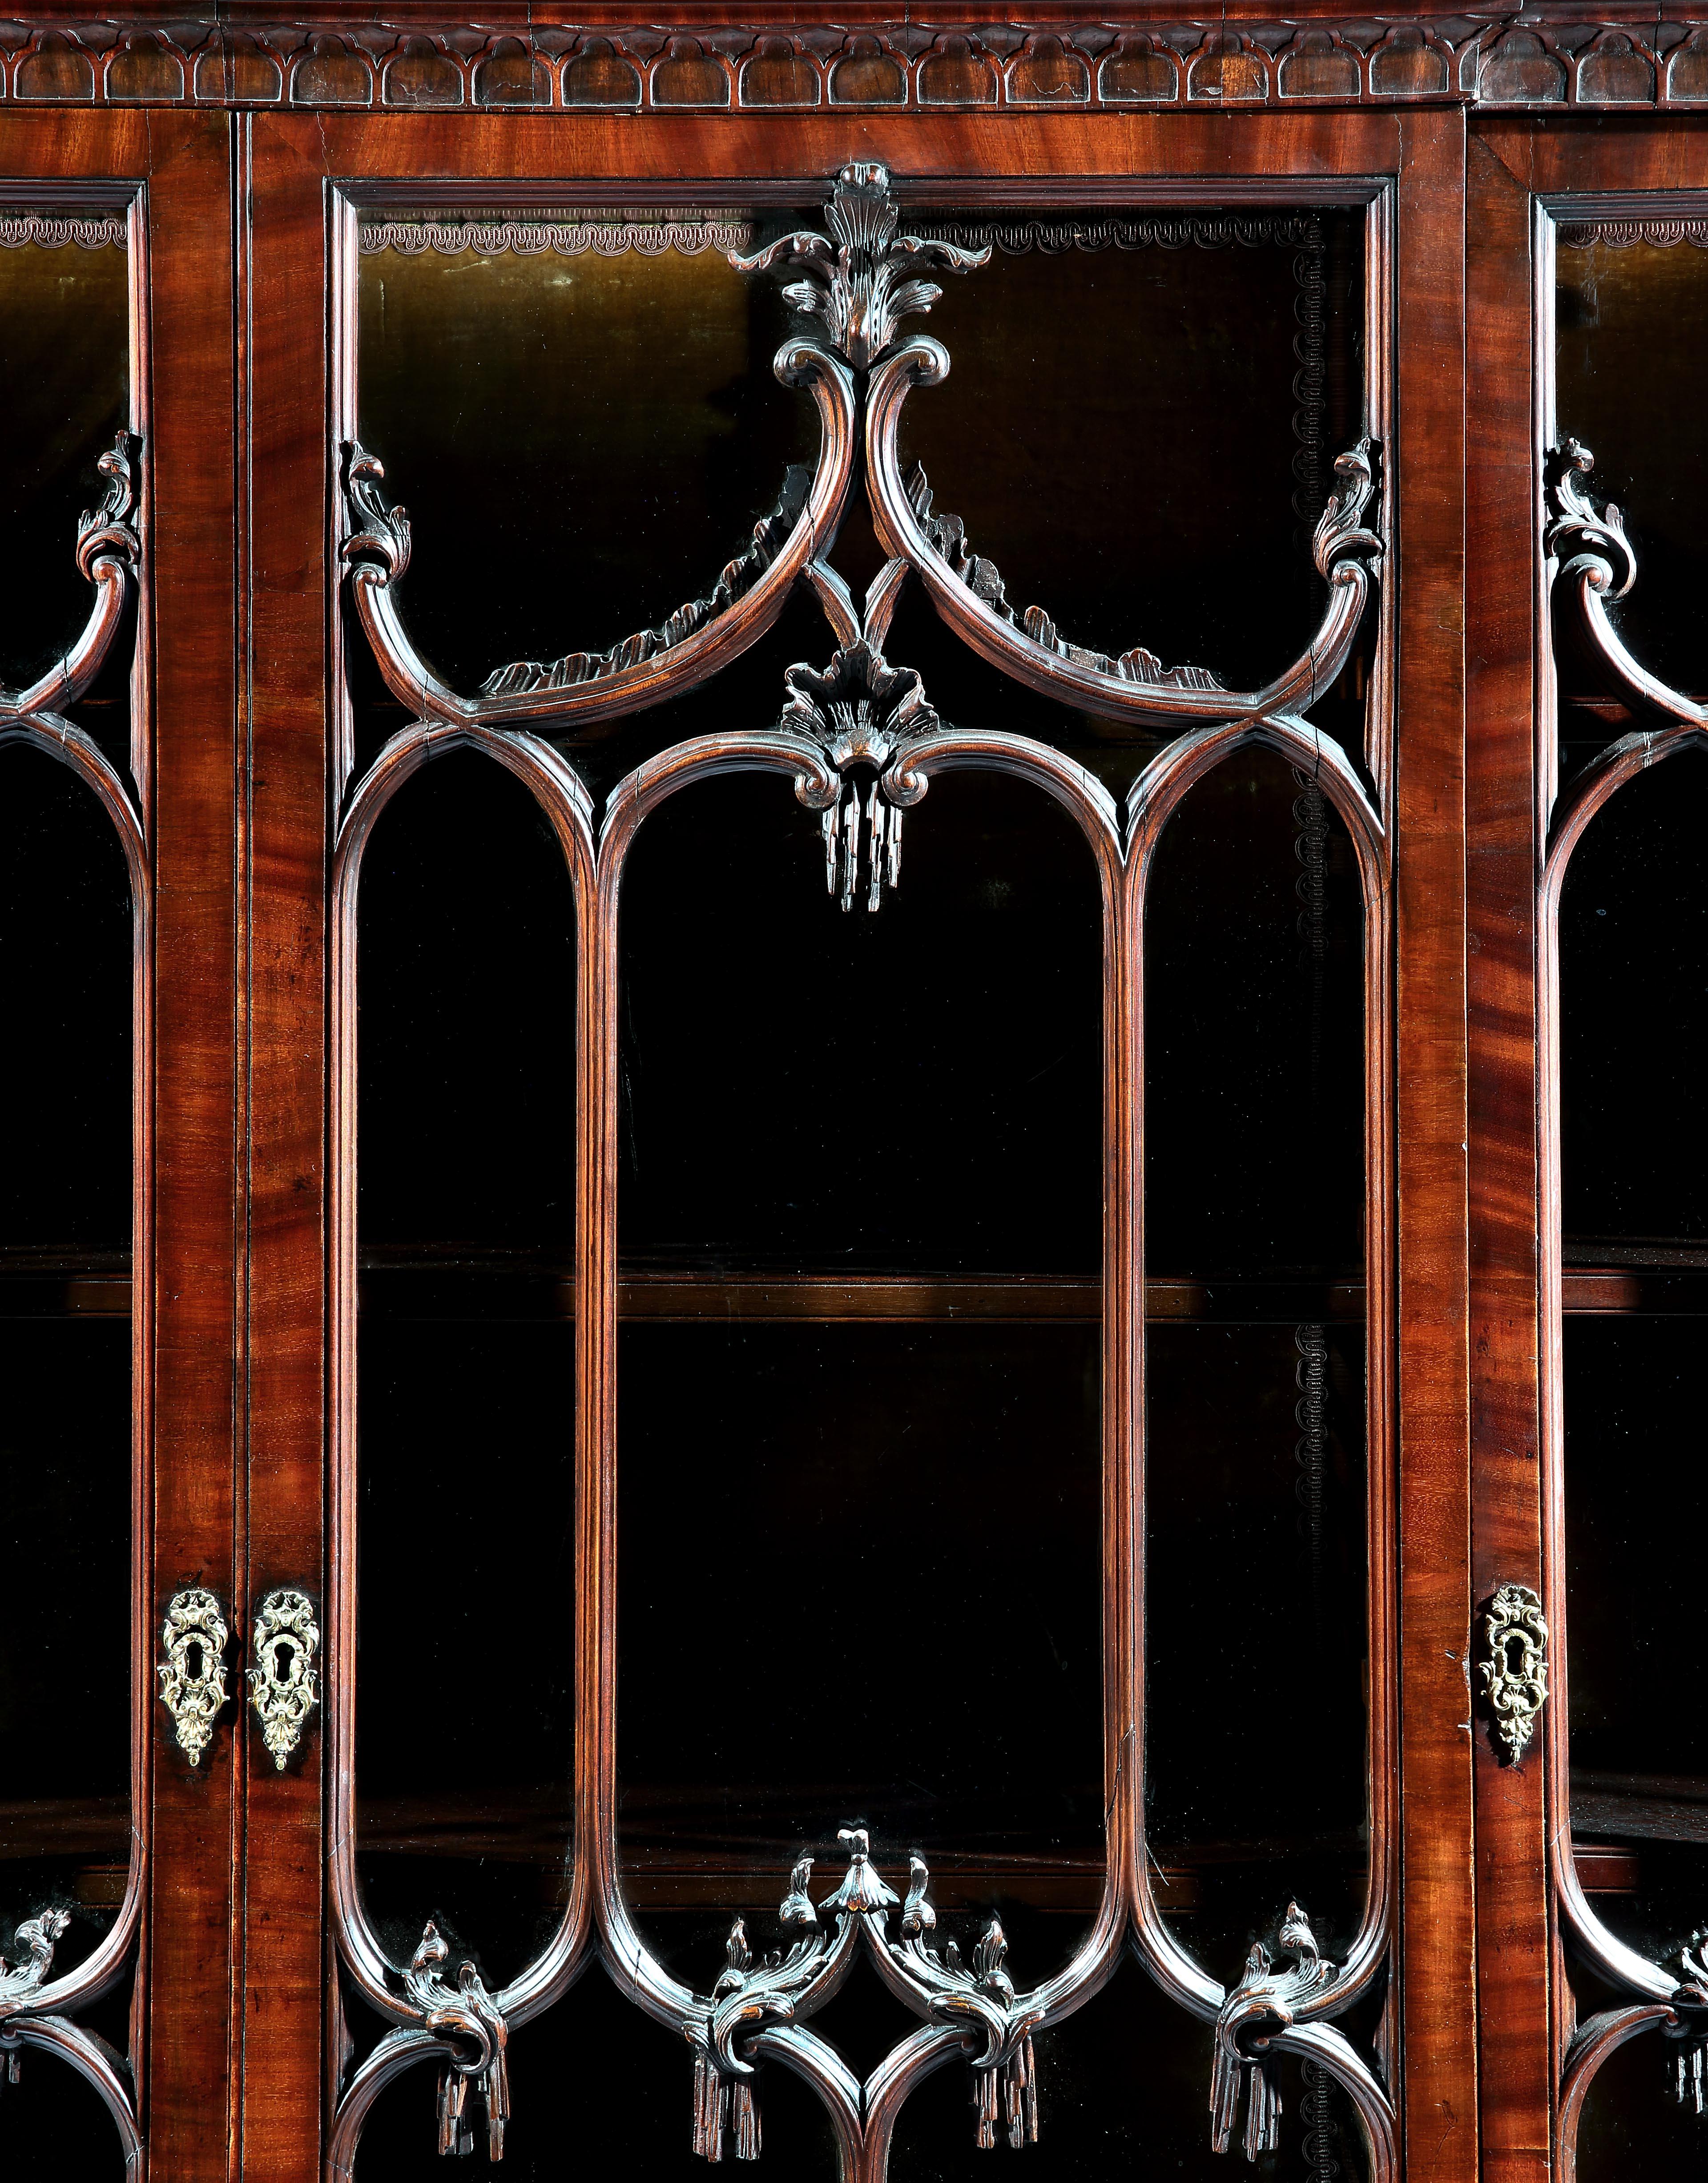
x=690 y=645
x=1595 y=561
x=969 y=594
x=108 y=552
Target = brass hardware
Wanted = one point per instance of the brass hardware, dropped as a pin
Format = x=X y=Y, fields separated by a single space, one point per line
x=1515 y=1675
x=192 y=1675
x=282 y=1683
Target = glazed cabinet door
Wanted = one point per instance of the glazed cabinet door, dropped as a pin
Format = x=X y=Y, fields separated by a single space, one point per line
x=115 y=1289
x=875 y=1253
x=1603 y=248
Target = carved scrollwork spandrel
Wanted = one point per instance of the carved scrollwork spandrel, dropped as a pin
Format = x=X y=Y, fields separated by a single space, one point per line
x=192 y=1675
x=982 y=577
x=1515 y=1674
x=1689 y=2031
x=1580 y=537
x=37 y=1939
x=863 y=279
x=470 y=2025
x=282 y=1683
x=688 y=645
x=977 y=2000
x=109 y=554
x=1268 y=1999
x=770 y=534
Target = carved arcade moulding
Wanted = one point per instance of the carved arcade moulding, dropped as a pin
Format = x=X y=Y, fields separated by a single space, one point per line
x=1505 y=57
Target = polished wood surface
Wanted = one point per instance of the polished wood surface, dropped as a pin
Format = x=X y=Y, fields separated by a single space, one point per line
x=243 y=1311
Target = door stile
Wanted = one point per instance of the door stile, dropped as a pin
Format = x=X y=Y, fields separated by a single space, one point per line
x=1438 y=2075
x=1507 y=649
x=287 y=1977
x=195 y=1813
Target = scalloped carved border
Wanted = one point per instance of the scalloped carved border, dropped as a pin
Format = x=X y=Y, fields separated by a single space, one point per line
x=1117 y=65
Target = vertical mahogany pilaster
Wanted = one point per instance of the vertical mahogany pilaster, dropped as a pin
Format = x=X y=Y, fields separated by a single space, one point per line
x=283 y=349
x=190 y=2113
x=1506 y=651
x=1439 y=2075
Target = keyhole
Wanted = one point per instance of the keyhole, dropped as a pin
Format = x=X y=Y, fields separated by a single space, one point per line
x=1515 y=1656
x=283 y=1655
x=192 y=1660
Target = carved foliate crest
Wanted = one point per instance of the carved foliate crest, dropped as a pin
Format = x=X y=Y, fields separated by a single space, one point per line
x=863 y=282
x=1579 y=531
x=472 y=2028
x=1267 y=2000
x=106 y=530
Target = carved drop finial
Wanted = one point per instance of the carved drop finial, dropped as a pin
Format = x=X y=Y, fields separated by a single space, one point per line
x=864 y=282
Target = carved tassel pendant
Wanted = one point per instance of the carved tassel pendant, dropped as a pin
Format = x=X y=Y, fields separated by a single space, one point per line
x=984 y=2097
x=454 y=2136
x=1224 y=2099
x=895 y=848
x=13 y=2067
x=851 y=847
x=705 y=2107
x=1263 y=2113
x=744 y=2116
x=875 y=815
x=496 y=2084
x=1026 y=2065
x=832 y=842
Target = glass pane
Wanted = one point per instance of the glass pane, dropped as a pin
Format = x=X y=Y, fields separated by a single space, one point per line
x=66 y=953
x=1633 y=942
x=583 y=439
x=1204 y=368
x=65 y=356
x=466 y=1230
x=1255 y=1433
x=1631 y=320
x=859 y=1210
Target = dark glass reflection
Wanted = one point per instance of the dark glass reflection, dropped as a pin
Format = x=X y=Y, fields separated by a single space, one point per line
x=1256 y=1568
x=1631 y=323
x=66 y=951
x=65 y=352
x=466 y=1228
x=1632 y=2124
x=1141 y=439
x=1634 y=966
x=844 y=1138
x=1634 y=1033
x=583 y=442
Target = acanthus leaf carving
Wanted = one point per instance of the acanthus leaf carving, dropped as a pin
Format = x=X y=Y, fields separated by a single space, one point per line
x=380 y=539
x=1689 y=2031
x=770 y=534
x=862 y=712
x=1342 y=542
x=106 y=531
x=863 y=279
x=38 y=1937
x=947 y=535
x=1582 y=537
x=1267 y=2000
x=979 y=2002
x=470 y=2024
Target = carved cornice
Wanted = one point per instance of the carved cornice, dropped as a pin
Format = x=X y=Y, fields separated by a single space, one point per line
x=1143 y=57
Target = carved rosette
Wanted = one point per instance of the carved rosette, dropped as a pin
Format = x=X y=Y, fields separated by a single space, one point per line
x=1515 y=1674
x=1268 y=1999
x=863 y=279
